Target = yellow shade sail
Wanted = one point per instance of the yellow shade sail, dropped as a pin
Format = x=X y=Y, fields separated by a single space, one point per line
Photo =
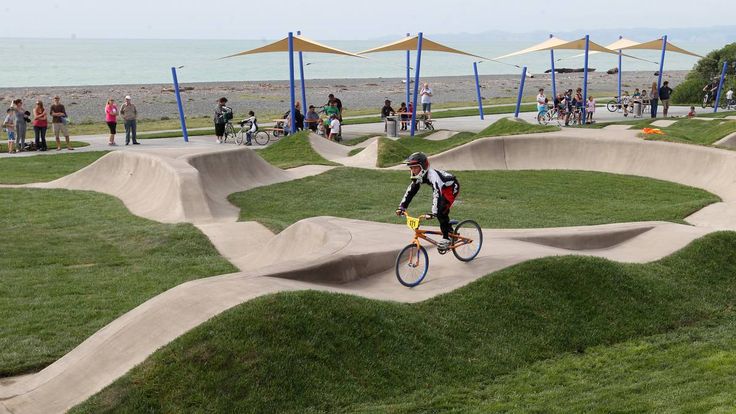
x=657 y=45
x=552 y=43
x=410 y=43
x=301 y=44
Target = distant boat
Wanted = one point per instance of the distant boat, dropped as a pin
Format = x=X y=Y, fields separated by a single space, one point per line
x=570 y=70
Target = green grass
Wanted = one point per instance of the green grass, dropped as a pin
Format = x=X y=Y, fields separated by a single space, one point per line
x=358 y=140
x=355 y=151
x=633 y=124
x=51 y=144
x=319 y=352
x=452 y=113
x=495 y=199
x=694 y=131
x=293 y=151
x=175 y=134
x=392 y=155
x=48 y=167
x=688 y=370
x=720 y=114
x=74 y=261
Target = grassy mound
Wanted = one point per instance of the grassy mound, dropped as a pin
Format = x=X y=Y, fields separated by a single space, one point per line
x=495 y=199
x=293 y=151
x=74 y=261
x=391 y=152
x=695 y=131
x=501 y=127
x=40 y=168
x=312 y=352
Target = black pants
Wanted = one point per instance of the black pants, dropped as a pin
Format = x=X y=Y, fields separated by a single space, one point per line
x=40 y=135
x=219 y=129
x=443 y=210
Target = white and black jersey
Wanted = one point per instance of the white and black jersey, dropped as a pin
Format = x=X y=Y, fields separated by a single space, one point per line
x=442 y=183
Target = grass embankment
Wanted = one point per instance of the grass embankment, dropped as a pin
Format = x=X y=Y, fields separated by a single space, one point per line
x=694 y=131
x=721 y=114
x=50 y=143
x=495 y=199
x=313 y=352
x=74 y=261
x=40 y=168
x=394 y=152
x=453 y=113
x=293 y=151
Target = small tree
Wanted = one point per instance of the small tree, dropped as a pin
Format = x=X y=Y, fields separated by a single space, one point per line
x=691 y=90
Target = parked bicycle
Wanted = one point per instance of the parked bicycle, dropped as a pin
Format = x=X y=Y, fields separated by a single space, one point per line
x=412 y=263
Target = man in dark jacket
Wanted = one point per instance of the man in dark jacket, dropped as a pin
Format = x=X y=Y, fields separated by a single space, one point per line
x=664 y=97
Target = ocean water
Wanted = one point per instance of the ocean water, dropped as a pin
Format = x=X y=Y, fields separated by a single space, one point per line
x=72 y=62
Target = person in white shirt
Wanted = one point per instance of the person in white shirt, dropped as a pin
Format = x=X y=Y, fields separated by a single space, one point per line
x=426 y=100
x=334 y=128
x=729 y=98
x=541 y=104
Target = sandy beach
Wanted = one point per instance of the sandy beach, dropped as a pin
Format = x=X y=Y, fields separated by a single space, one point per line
x=157 y=101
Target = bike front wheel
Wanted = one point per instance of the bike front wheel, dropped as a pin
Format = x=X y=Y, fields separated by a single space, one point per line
x=705 y=101
x=471 y=230
x=412 y=265
x=261 y=137
x=240 y=137
x=612 y=106
x=229 y=132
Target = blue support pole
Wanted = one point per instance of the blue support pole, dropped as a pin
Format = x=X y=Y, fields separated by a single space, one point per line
x=181 y=107
x=521 y=92
x=477 y=89
x=585 y=77
x=552 y=60
x=408 y=75
x=661 y=65
x=416 y=85
x=301 y=75
x=619 y=72
x=291 y=83
x=720 y=86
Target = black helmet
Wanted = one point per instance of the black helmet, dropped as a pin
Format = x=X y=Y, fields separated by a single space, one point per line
x=420 y=159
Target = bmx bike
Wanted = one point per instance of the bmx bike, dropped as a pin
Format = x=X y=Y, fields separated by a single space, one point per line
x=412 y=263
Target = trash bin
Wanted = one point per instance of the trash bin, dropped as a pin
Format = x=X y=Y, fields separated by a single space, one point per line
x=637 y=109
x=391 y=127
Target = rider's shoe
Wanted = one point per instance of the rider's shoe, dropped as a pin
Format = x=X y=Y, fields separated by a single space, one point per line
x=443 y=245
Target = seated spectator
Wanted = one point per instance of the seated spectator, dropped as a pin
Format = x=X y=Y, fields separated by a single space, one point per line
x=691 y=114
x=312 y=120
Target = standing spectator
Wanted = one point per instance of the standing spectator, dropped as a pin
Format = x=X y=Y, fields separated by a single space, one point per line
x=111 y=118
x=21 y=124
x=312 y=118
x=664 y=95
x=578 y=103
x=589 y=110
x=426 y=100
x=298 y=116
x=332 y=109
x=625 y=102
x=40 y=126
x=129 y=113
x=9 y=125
x=653 y=99
x=337 y=103
x=59 y=121
x=386 y=111
x=568 y=105
x=221 y=118
x=334 y=128
x=729 y=98
x=541 y=104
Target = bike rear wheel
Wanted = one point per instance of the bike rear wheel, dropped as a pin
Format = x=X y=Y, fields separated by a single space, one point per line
x=261 y=137
x=542 y=118
x=240 y=137
x=705 y=101
x=612 y=106
x=471 y=230
x=412 y=265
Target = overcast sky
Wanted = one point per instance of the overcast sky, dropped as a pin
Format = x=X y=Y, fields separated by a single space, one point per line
x=346 y=19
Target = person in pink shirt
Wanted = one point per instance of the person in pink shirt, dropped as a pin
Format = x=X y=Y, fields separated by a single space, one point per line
x=111 y=117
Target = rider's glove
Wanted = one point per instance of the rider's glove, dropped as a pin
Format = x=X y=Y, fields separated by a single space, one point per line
x=400 y=211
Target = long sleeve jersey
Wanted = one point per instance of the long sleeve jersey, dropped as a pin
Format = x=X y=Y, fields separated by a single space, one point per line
x=438 y=179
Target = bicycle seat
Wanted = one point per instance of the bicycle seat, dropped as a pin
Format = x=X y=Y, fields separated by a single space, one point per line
x=454 y=222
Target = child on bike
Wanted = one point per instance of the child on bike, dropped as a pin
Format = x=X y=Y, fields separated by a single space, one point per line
x=253 y=122
x=445 y=188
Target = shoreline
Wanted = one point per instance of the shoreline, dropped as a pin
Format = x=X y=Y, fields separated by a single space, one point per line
x=157 y=101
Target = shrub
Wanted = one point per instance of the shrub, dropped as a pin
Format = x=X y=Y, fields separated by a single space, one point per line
x=691 y=90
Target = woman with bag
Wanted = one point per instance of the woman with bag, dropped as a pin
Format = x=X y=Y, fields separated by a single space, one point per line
x=111 y=118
